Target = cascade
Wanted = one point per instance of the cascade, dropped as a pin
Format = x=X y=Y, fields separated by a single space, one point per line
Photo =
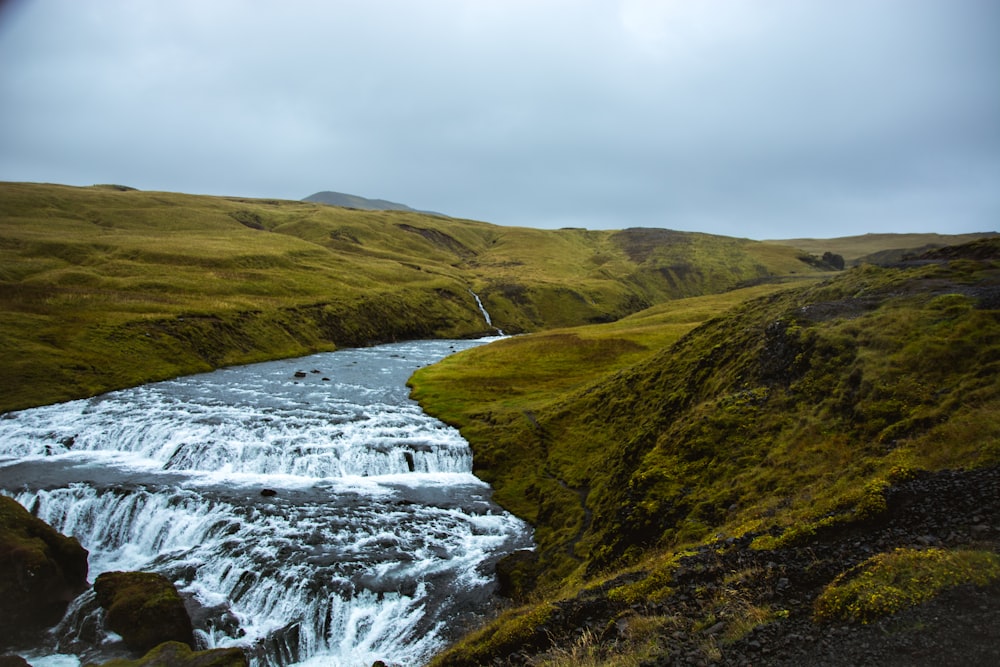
x=373 y=542
x=486 y=315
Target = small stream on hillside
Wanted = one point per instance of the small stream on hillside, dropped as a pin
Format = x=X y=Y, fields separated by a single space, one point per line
x=307 y=509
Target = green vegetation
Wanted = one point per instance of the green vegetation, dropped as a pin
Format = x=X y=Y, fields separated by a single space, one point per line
x=40 y=572
x=889 y=582
x=685 y=393
x=107 y=287
x=515 y=630
x=514 y=400
x=790 y=414
x=177 y=654
x=144 y=608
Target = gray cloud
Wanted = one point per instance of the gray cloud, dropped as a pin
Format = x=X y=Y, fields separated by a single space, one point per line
x=764 y=119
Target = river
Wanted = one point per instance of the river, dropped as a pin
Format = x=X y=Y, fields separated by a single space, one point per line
x=307 y=509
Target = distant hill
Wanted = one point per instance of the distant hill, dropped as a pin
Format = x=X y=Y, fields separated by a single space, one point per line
x=345 y=200
x=106 y=287
x=879 y=248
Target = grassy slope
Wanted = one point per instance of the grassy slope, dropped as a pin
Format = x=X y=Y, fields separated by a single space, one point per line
x=792 y=412
x=103 y=288
x=856 y=247
x=498 y=394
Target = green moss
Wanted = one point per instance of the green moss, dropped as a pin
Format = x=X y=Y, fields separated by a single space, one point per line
x=41 y=571
x=144 y=608
x=517 y=629
x=655 y=586
x=176 y=654
x=889 y=582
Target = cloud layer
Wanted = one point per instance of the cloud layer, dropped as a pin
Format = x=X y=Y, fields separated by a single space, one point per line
x=757 y=118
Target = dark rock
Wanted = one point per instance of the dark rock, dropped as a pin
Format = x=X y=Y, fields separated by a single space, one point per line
x=176 y=654
x=13 y=661
x=300 y=374
x=144 y=608
x=516 y=573
x=716 y=629
x=268 y=493
x=41 y=571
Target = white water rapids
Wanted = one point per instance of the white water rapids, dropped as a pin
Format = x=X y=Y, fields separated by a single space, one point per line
x=376 y=542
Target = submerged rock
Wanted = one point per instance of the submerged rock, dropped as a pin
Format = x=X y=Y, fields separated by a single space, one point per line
x=41 y=571
x=176 y=654
x=144 y=608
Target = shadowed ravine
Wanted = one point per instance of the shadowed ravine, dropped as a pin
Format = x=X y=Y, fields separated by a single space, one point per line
x=373 y=541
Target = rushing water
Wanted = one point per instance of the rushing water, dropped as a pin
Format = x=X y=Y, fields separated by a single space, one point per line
x=485 y=313
x=371 y=540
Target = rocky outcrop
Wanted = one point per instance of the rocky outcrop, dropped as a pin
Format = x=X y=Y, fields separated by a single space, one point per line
x=41 y=571
x=177 y=654
x=144 y=608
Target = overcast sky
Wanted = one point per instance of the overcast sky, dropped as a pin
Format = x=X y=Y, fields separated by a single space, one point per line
x=751 y=118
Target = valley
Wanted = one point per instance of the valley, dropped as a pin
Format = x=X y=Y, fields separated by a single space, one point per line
x=713 y=439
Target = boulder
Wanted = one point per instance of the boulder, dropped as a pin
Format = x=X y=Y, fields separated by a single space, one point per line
x=41 y=571
x=176 y=654
x=144 y=608
x=13 y=661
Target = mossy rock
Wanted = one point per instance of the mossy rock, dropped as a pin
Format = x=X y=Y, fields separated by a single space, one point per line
x=41 y=571
x=177 y=654
x=144 y=608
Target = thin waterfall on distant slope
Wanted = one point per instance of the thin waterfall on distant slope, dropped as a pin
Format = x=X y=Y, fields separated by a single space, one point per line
x=486 y=314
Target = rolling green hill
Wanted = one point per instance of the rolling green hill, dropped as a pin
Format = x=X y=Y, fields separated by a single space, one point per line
x=878 y=248
x=676 y=446
x=107 y=286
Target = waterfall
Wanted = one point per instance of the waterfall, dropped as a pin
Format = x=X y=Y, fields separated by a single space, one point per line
x=374 y=540
x=486 y=314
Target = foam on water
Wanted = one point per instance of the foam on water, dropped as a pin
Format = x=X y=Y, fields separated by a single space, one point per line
x=372 y=540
